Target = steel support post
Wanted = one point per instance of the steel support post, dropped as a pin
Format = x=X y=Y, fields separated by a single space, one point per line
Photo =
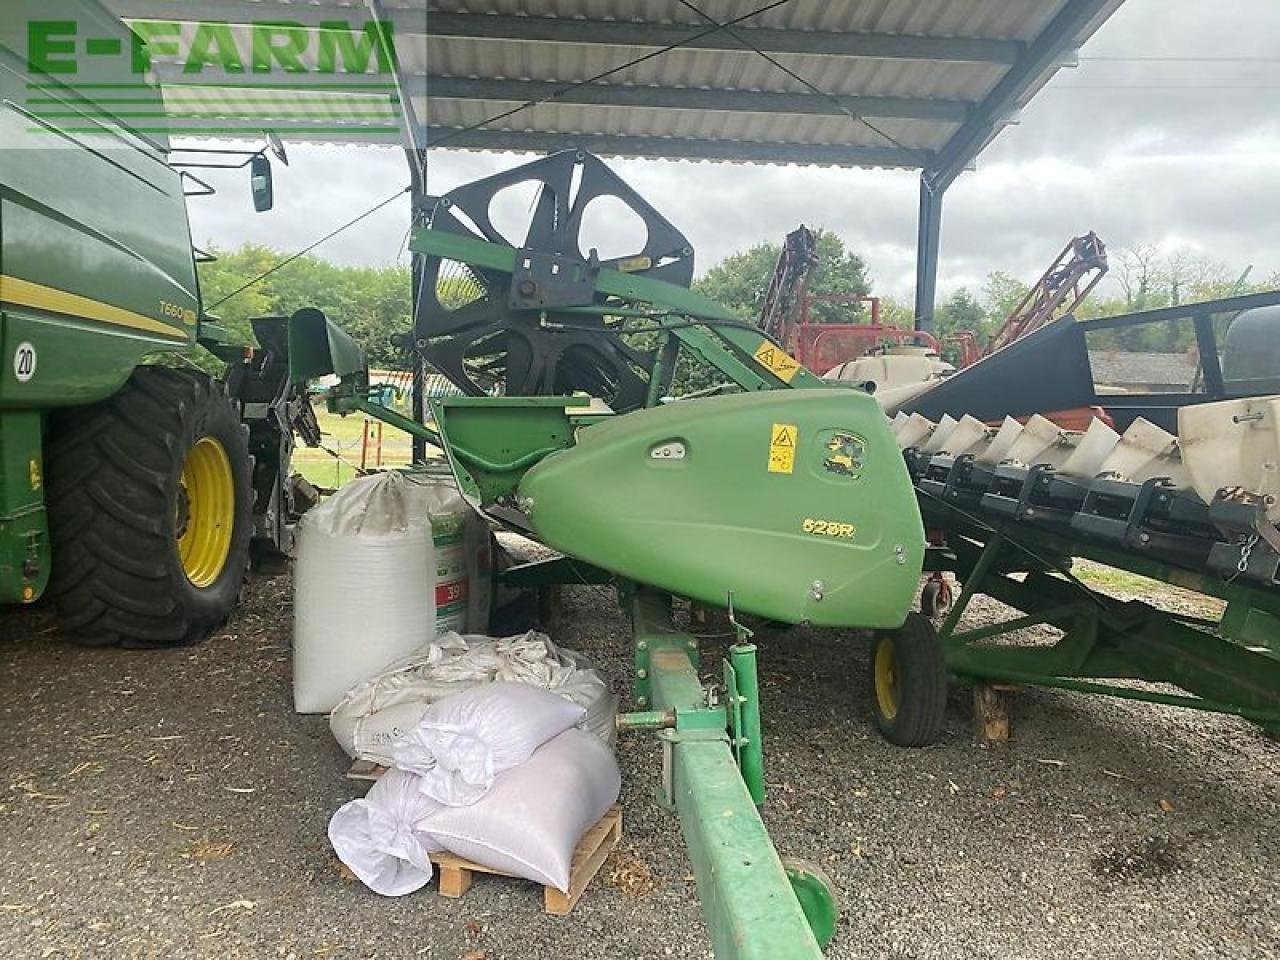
x=419 y=262
x=748 y=745
x=928 y=235
x=413 y=133
x=751 y=911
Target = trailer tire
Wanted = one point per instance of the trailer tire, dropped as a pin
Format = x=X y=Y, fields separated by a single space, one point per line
x=908 y=674
x=935 y=598
x=150 y=511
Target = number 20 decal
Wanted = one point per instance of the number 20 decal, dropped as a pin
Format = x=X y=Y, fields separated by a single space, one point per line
x=24 y=362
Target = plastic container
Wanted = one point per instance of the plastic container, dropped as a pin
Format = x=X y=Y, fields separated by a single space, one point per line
x=452 y=591
x=464 y=553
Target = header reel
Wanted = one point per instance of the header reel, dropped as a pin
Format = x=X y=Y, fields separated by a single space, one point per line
x=543 y=328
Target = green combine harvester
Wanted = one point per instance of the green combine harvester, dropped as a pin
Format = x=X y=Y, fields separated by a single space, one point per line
x=786 y=498
x=133 y=492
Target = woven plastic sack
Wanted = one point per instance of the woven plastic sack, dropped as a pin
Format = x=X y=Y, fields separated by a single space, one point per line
x=531 y=821
x=379 y=839
x=368 y=720
x=463 y=742
x=362 y=588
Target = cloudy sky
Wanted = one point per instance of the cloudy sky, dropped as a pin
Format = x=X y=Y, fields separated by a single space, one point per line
x=1167 y=133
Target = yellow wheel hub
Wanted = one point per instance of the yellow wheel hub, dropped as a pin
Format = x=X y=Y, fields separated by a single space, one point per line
x=887 y=681
x=204 y=527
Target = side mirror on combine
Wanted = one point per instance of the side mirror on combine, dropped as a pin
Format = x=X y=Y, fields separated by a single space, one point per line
x=264 y=196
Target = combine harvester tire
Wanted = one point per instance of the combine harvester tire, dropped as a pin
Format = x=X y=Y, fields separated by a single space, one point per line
x=150 y=509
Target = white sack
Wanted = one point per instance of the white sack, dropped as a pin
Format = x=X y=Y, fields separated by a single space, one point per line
x=362 y=588
x=378 y=838
x=533 y=818
x=375 y=713
x=463 y=742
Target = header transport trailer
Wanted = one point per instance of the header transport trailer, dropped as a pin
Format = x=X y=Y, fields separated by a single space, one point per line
x=131 y=490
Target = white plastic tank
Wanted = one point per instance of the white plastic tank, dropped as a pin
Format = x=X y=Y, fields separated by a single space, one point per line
x=363 y=588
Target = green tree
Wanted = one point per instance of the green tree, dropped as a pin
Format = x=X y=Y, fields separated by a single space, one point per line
x=895 y=313
x=1001 y=294
x=741 y=280
x=960 y=312
x=372 y=303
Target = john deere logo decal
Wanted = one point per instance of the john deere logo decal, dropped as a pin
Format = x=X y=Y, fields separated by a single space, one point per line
x=845 y=454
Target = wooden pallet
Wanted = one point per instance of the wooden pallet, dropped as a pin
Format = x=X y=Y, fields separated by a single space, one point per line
x=595 y=846
x=365 y=771
x=456 y=874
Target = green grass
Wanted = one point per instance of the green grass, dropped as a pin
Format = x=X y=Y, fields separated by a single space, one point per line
x=344 y=436
x=1120 y=580
x=1126 y=585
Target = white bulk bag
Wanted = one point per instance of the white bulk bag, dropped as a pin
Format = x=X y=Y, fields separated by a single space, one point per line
x=362 y=588
x=373 y=714
x=379 y=837
x=531 y=821
x=463 y=742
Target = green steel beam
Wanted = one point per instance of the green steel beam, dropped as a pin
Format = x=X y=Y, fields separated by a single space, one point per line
x=1269 y=718
x=743 y=687
x=1103 y=638
x=685 y=311
x=747 y=899
x=1046 y=544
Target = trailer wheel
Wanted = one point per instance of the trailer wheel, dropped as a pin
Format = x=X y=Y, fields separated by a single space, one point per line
x=817 y=896
x=935 y=598
x=150 y=509
x=909 y=683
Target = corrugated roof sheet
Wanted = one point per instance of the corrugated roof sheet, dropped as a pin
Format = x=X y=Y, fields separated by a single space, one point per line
x=928 y=64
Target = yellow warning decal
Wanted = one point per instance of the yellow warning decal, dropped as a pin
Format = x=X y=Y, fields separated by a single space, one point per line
x=780 y=363
x=782 y=448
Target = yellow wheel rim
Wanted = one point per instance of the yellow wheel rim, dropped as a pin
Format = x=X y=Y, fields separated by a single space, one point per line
x=886 y=673
x=206 y=512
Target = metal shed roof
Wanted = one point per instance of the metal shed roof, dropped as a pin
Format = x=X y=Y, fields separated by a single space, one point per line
x=920 y=72
x=909 y=83
x=894 y=83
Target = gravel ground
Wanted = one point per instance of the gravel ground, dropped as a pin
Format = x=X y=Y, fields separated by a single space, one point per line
x=171 y=805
